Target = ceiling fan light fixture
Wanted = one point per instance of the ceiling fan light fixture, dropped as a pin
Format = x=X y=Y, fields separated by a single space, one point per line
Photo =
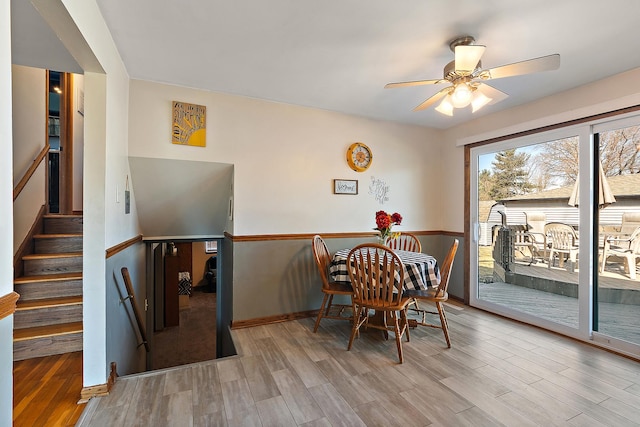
x=465 y=75
x=479 y=101
x=445 y=107
x=461 y=96
x=467 y=59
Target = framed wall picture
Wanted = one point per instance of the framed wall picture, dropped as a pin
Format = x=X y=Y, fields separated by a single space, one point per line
x=211 y=247
x=189 y=124
x=345 y=186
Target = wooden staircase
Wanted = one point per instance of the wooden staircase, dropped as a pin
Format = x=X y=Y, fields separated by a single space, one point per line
x=48 y=317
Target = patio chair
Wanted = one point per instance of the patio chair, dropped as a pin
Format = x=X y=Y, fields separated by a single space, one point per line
x=523 y=247
x=563 y=242
x=630 y=221
x=535 y=230
x=404 y=242
x=624 y=247
x=528 y=246
x=329 y=289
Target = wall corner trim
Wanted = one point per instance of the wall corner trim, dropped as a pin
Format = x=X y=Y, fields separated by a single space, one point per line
x=101 y=389
x=309 y=236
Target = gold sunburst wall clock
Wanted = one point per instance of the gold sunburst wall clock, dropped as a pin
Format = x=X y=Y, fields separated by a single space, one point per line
x=359 y=157
x=189 y=124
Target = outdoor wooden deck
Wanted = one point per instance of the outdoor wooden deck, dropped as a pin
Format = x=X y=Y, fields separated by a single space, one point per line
x=613 y=277
x=616 y=319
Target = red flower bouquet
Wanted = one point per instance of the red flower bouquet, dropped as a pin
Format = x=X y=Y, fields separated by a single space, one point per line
x=384 y=222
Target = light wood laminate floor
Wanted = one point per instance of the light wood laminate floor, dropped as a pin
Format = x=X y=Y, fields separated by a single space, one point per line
x=498 y=372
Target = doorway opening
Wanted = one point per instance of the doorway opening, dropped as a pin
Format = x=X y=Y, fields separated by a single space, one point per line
x=60 y=139
x=185 y=283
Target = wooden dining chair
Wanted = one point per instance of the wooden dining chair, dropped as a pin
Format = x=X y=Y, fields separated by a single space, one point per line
x=404 y=242
x=377 y=277
x=329 y=288
x=438 y=295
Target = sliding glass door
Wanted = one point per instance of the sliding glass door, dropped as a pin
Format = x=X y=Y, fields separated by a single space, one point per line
x=556 y=230
x=617 y=296
x=528 y=241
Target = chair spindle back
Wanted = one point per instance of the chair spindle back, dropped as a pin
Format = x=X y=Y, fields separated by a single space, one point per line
x=445 y=271
x=405 y=242
x=377 y=275
x=322 y=257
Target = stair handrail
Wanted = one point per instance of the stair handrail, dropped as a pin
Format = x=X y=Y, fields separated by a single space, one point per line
x=8 y=304
x=29 y=173
x=131 y=297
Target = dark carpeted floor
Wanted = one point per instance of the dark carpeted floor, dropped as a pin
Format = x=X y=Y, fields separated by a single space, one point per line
x=194 y=340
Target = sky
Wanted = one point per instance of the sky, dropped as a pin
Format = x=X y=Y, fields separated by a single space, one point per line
x=484 y=161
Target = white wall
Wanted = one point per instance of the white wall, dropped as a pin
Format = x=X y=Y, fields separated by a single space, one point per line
x=285 y=158
x=606 y=95
x=106 y=168
x=29 y=116
x=6 y=219
x=94 y=233
x=29 y=138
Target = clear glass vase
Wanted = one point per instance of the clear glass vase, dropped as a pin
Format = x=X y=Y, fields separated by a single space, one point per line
x=380 y=239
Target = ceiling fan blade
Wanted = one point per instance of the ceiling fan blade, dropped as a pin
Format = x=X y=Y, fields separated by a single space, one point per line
x=544 y=63
x=414 y=83
x=435 y=98
x=491 y=92
x=467 y=58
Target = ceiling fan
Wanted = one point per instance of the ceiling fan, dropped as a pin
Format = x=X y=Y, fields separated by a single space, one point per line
x=465 y=76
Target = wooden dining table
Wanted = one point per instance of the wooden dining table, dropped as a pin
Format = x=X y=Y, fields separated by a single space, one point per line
x=420 y=270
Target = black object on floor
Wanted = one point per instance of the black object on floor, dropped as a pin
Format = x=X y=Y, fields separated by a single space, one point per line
x=211 y=274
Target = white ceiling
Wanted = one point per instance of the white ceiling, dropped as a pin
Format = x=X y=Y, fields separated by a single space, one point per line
x=338 y=54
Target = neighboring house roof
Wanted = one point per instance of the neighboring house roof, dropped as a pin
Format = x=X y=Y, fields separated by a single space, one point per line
x=621 y=186
x=625 y=185
x=484 y=209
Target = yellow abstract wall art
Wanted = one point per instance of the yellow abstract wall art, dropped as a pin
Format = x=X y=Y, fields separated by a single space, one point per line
x=189 y=124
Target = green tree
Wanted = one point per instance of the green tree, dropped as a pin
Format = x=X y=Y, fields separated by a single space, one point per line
x=485 y=182
x=510 y=176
